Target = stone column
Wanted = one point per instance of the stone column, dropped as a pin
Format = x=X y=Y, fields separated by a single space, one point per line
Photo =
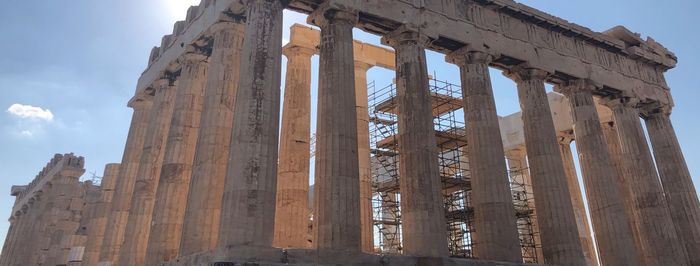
x=517 y=165
x=133 y=249
x=364 y=156
x=291 y=219
x=677 y=183
x=422 y=210
x=337 y=217
x=613 y=142
x=248 y=208
x=558 y=230
x=200 y=230
x=494 y=213
x=98 y=225
x=10 y=240
x=659 y=239
x=176 y=171
x=584 y=231
x=121 y=202
x=603 y=192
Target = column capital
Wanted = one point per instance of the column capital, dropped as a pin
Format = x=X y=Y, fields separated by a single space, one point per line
x=566 y=137
x=325 y=14
x=620 y=100
x=227 y=25
x=517 y=153
x=297 y=51
x=406 y=34
x=141 y=101
x=577 y=85
x=655 y=109
x=361 y=65
x=193 y=55
x=523 y=72
x=467 y=55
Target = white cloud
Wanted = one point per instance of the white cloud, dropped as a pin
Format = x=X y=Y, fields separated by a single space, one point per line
x=31 y=112
x=27 y=133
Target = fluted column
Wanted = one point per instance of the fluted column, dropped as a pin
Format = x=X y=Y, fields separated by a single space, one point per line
x=494 y=213
x=661 y=244
x=203 y=212
x=98 y=225
x=248 y=208
x=558 y=230
x=10 y=240
x=615 y=151
x=176 y=170
x=337 y=223
x=121 y=202
x=676 y=180
x=584 y=232
x=364 y=156
x=292 y=207
x=422 y=210
x=133 y=249
x=610 y=222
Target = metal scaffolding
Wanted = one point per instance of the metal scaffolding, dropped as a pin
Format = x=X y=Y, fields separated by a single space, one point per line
x=448 y=118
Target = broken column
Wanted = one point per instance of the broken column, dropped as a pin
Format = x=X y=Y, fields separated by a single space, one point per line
x=291 y=219
x=610 y=221
x=661 y=245
x=248 y=207
x=173 y=184
x=200 y=230
x=494 y=213
x=422 y=210
x=133 y=249
x=121 y=202
x=676 y=180
x=364 y=156
x=557 y=222
x=337 y=224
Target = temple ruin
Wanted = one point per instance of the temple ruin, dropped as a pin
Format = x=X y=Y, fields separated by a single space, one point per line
x=422 y=171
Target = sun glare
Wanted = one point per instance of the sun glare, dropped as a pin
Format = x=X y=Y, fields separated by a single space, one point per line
x=177 y=9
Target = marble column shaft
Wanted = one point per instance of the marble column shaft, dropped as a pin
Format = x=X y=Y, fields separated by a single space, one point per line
x=292 y=207
x=10 y=240
x=176 y=171
x=584 y=231
x=364 y=156
x=610 y=222
x=661 y=244
x=677 y=183
x=422 y=208
x=613 y=142
x=98 y=225
x=203 y=212
x=124 y=189
x=248 y=208
x=494 y=213
x=557 y=221
x=337 y=217
x=138 y=225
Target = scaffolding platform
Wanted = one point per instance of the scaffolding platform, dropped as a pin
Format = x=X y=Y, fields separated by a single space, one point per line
x=448 y=118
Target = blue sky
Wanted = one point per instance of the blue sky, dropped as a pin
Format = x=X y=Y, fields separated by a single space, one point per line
x=69 y=67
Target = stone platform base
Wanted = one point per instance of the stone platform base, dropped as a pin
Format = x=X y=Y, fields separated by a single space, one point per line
x=265 y=256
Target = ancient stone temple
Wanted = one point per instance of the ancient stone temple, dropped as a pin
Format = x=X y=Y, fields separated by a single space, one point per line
x=418 y=172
